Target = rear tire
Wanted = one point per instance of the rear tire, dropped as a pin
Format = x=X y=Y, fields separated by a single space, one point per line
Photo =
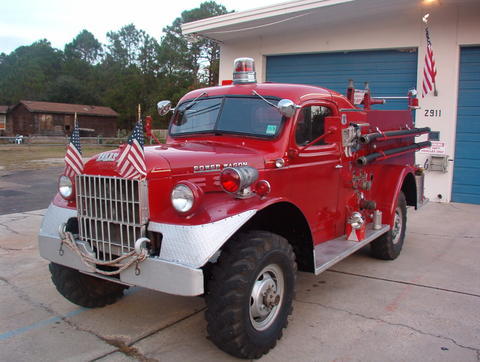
x=85 y=290
x=389 y=245
x=250 y=294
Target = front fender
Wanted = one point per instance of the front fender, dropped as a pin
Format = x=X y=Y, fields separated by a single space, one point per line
x=194 y=245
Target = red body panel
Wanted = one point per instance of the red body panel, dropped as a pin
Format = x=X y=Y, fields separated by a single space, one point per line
x=321 y=181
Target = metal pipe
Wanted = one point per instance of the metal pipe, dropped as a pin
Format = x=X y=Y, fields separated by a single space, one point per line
x=365 y=160
x=367 y=138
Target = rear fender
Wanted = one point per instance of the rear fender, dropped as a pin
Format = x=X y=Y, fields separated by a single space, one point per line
x=394 y=178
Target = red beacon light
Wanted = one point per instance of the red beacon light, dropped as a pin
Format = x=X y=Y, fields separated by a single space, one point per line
x=244 y=71
x=237 y=180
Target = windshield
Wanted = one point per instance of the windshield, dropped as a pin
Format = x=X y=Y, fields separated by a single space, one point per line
x=236 y=115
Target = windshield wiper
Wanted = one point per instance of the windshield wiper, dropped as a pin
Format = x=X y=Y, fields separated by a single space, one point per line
x=193 y=101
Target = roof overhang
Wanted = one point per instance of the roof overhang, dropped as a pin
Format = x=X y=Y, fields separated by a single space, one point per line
x=299 y=15
x=256 y=17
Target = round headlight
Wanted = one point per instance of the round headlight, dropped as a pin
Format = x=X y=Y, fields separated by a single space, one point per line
x=183 y=198
x=65 y=187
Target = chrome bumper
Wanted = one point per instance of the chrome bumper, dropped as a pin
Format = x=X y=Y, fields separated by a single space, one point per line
x=155 y=273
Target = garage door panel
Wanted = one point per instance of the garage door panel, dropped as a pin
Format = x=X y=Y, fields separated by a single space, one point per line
x=468 y=140
x=467 y=164
x=466 y=173
x=468 y=198
x=389 y=72
x=469 y=99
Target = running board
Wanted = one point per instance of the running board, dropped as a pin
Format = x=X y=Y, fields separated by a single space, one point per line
x=331 y=252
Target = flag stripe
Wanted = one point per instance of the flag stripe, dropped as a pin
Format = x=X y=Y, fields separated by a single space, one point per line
x=429 y=69
x=131 y=162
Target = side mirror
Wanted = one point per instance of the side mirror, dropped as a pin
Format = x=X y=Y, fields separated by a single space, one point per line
x=164 y=107
x=286 y=107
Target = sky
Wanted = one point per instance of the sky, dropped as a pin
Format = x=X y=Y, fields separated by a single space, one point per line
x=26 y=21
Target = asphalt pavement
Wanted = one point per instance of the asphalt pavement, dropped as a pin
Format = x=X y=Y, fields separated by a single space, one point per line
x=423 y=306
x=27 y=190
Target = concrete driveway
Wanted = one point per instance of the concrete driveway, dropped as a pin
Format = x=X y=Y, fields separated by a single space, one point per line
x=424 y=306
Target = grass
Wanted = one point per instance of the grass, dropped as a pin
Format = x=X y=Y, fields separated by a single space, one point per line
x=21 y=157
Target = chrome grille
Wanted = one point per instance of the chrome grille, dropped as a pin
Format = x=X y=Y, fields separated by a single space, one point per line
x=112 y=213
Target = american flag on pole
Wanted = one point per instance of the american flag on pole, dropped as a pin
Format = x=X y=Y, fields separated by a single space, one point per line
x=429 y=69
x=131 y=161
x=73 y=157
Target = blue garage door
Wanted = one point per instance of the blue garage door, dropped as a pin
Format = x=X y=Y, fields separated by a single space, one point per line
x=389 y=72
x=466 y=172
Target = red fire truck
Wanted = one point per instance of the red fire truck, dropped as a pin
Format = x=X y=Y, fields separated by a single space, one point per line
x=255 y=180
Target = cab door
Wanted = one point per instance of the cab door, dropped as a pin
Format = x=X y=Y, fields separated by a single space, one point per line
x=316 y=167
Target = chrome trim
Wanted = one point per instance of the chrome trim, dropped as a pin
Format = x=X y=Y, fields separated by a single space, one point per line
x=194 y=245
x=112 y=213
x=155 y=273
x=330 y=252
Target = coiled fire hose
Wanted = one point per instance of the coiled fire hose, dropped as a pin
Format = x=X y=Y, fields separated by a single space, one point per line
x=127 y=259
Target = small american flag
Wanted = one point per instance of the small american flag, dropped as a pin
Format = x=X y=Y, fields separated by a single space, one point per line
x=131 y=162
x=73 y=157
x=429 y=69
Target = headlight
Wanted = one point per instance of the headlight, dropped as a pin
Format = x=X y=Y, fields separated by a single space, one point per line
x=183 y=198
x=65 y=187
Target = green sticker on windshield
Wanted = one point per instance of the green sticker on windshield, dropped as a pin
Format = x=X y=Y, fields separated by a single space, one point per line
x=271 y=129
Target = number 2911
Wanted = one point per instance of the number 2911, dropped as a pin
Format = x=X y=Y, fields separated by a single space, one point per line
x=433 y=113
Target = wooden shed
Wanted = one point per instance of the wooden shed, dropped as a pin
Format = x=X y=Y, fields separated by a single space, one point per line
x=31 y=118
x=3 y=119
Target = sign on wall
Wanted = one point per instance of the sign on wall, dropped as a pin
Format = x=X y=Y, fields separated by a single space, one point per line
x=437 y=148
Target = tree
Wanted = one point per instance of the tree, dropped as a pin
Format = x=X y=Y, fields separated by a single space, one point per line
x=84 y=47
x=198 y=58
x=28 y=71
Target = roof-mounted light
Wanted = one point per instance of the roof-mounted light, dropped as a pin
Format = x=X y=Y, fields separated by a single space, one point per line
x=244 y=71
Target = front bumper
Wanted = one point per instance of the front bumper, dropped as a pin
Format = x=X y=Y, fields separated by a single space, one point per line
x=155 y=273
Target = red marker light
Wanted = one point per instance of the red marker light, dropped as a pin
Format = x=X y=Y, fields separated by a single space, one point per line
x=262 y=188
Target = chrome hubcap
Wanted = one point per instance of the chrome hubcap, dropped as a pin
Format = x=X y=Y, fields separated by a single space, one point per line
x=266 y=297
x=397 y=226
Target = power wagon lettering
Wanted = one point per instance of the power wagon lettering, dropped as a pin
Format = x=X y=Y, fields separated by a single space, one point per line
x=217 y=166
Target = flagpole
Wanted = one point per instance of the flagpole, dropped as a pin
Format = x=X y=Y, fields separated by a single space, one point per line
x=139 y=111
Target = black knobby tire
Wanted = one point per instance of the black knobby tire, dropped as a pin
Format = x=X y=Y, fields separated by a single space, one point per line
x=256 y=269
x=85 y=290
x=389 y=245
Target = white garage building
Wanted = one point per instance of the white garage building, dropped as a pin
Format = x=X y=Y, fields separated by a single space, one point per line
x=327 y=42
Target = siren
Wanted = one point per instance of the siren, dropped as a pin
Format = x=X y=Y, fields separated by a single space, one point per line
x=244 y=71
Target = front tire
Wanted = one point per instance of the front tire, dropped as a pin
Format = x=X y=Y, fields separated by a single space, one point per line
x=389 y=245
x=250 y=294
x=84 y=290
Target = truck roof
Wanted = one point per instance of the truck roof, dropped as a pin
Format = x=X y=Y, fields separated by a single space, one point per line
x=298 y=93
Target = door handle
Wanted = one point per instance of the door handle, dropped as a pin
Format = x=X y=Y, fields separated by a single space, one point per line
x=338 y=166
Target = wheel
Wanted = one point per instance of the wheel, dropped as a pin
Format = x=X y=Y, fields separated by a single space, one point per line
x=389 y=245
x=85 y=290
x=250 y=293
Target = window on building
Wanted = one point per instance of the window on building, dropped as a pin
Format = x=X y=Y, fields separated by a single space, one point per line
x=2 y=121
x=311 y=125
